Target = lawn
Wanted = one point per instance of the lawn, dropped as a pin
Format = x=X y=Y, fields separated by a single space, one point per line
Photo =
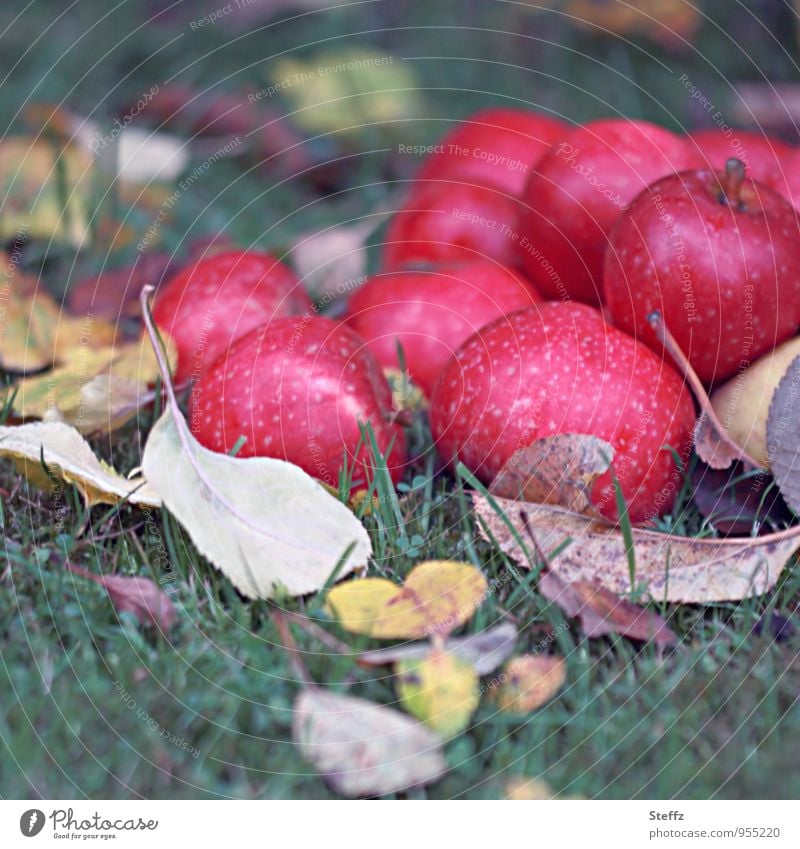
x=95 y=705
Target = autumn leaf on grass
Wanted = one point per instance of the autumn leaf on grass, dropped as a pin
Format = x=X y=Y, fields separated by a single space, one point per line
x=522 y=789
x=436 y=598
x=440 y=690
x=37 y=332
x=96 y=389
x=264 y=523
x=484 y=651
x=559 y=469
x=783 y=435
x=46 y=190
x=602 y=612
x=529 y=681
x=670 y=568
x=364 y=749
x=138 y=596
x=69 y=457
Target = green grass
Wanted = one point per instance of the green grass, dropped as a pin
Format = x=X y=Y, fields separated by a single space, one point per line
x=715 y=718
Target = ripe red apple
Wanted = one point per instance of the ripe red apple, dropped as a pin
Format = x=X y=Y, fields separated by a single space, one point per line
x=719 y=256
x=493 y=147
x=559 y=368
x=432 y=312
x=297 y=389
x=452 y=222
x=763 y=156
x=214 y=302
x=577 y=192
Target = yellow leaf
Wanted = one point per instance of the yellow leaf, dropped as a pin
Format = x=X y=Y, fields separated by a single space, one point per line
x=440 y=690
x=529 y=790
x=437 y=597
x=529 y=681
x=68 y=457
x=96 y=389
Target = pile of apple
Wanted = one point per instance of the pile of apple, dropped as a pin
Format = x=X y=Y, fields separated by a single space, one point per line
x=517 y=278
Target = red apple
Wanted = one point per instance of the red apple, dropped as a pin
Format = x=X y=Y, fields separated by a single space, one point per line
x=579 y=190
x=452 y=222
x=432 y=312
x=297 y=389
x=719 y=256
x=493 y=147
x=763 y=156
x=559 y=368
x=211 y=304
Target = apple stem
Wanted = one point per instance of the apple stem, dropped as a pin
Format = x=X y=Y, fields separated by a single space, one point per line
x=656 y=321
x=732 y=183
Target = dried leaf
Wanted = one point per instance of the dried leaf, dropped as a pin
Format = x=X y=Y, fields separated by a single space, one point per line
x=671 y=568
x=141 y=597
x=69 y=458
x=364 y=749
x=602 y=612
x=737 y=504
x=783 y=435
x=523 y=789
x=559 y=469
x=437 y=597
x=484 y=651
x=36 y=333
x=742 y=404
x=529 y=681
x=440 y=690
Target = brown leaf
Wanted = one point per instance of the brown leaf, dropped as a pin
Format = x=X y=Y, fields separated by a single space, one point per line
x=602 y=612
x=131 y=594
x=671 y=568
x=530 y=681
x=364 y=749
x=710 y=446
x=484 y=651
x=783 y=435
x=559 y=469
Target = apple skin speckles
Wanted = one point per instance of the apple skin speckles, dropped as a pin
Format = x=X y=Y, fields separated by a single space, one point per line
x=211 y=304
x=290 y=390
x=574 y=374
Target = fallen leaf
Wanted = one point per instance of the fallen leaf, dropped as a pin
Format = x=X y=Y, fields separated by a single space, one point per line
x=96 y=389
x=523 y=789
x=669 y=568
x=132 y=594
x=710 y=447
x=602 y=612
x=559 y=469
x=36 y=333
x=144 y=155
x=250 y=516
x=440 y=690
x=529 y=681
x=364 y=749
x=437 y=597
x=484 y=651
x=783 y=435
x=46 y=190
x=69 y=458
x=742 y=404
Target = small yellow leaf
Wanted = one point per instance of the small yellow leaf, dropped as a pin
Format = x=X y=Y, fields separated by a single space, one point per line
x=529 y=790
x=437 y=597
x=529 y=681
x=68 y=457
x=440 y=690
